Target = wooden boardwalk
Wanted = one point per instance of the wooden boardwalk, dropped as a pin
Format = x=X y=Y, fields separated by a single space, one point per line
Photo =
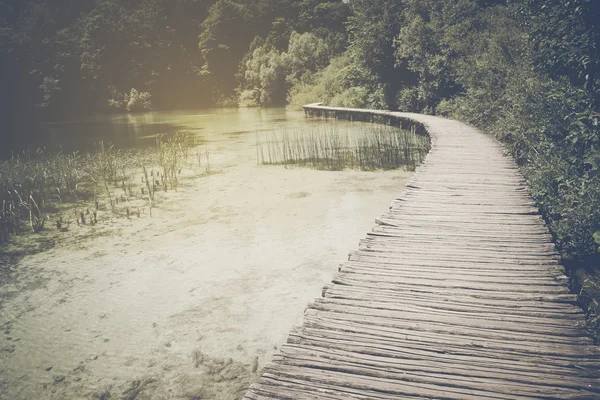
x=457 y=293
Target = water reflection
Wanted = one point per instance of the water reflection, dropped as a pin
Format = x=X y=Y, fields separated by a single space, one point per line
x=141 y=129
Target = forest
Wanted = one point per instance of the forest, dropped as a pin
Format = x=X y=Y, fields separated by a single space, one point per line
x=526 y=71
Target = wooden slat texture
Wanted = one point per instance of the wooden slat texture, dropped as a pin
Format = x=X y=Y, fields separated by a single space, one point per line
x=457 y=293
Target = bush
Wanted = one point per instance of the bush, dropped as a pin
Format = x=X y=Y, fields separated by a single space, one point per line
x=354 y=97
x=264 y=77
x=407 y=99
x=249 y=98
x=337 y=85
x=138 y=101
x=117 y=100
x=306 y=53
x=319 y=87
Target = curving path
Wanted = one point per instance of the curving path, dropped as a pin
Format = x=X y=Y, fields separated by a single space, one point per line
x=457 y=293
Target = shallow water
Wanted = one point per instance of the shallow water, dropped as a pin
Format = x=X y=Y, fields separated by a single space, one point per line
x=141 y=129
x=191 y=302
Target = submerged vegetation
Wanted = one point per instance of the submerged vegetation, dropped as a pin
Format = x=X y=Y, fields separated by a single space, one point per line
x=324 y=147
x=42 y=188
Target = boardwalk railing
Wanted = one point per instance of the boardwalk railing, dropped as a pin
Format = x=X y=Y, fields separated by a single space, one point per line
x=457 y=293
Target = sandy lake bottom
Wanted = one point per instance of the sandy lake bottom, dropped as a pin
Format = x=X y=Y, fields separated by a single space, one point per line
x=191 y=302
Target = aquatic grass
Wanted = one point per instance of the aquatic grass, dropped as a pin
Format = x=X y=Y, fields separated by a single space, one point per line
x=31 y=179
x=325 y=147
x=108 y=158
x=207 y=155
x=34 y=185
x=150 y=184
x=207 y=167
x=172 y=152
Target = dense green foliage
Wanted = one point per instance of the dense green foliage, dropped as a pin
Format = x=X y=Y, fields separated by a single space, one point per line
x=72 y=57
x=69 y=57
x=324 y=147
x=269 y=73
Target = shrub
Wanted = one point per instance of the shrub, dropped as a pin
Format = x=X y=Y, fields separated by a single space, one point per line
x=354 y=97
x=117 y=100
x=268 y=73
x=323 y=86
x=138 y=101
x=249 y=98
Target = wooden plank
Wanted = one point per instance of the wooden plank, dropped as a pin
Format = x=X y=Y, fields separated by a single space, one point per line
x=399 y=232
x=449 y=282
x=433 y=304
x=450 y=325
x=482 y=257
x=447 y=258
x=460 y=242
x=436 y=314
x=447 y=374
x=422 y=263
x=466 y=226
x=489 y=276
x=566 y=328
x=395 y=343
x=442 y=247
x=385 y=388
x=534 y=304
x=446 y=292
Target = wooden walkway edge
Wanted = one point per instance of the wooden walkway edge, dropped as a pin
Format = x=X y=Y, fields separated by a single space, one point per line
x=457 y=293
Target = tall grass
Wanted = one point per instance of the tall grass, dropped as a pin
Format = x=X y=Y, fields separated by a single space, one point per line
x=28 y=181
x=34 y=184
x=172 y=153
x=109 y=161
x=325 y=147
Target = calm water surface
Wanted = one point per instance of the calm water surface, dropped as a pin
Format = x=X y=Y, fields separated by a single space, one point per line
x=141 y=129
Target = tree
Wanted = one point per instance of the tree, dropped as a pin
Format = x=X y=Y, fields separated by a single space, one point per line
x=373 y=28
x=567 y=39
x=268 y=73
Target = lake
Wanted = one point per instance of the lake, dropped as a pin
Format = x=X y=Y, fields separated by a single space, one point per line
x=191 y=302
x=141 y=129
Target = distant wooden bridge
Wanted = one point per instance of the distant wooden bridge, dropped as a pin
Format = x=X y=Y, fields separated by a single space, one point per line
x=457 y=293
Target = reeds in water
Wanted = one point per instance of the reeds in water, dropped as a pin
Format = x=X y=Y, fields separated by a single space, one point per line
x=28 y=181
x=327 y=148
x=33 y=183
x=172 y=153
